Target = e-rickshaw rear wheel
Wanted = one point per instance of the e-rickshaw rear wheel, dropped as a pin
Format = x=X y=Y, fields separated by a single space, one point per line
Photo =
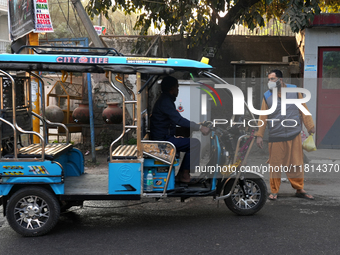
x=33 y=211
x=241 y=203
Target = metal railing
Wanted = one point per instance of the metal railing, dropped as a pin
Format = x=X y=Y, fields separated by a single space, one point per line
x=3 y=3
x=272 y=28
x=14 y=124
x=4 y=44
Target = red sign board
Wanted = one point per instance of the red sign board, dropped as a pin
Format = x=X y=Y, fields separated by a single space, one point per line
x=327 y=20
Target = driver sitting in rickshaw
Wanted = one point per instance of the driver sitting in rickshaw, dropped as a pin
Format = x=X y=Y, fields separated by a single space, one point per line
x=163 y=123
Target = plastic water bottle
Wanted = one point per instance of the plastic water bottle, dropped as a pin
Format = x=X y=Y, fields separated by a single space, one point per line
x=149 y=181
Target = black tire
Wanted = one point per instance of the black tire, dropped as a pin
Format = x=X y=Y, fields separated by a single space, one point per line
x=33 y=211
x=239 y=204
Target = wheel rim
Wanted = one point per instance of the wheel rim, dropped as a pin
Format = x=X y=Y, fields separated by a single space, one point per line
x=241 y=201
x=31 y=212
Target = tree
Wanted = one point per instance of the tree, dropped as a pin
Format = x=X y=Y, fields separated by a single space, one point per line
x=207 y=22
x=65 y=21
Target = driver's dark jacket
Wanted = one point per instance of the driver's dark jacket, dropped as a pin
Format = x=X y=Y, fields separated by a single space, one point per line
x=165 y=117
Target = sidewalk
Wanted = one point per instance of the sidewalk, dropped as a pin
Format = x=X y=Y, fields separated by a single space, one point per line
x=322 y=173
x=323 y=156
x=315 y=157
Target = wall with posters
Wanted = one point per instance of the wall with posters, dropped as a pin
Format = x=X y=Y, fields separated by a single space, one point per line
x=26 y=16
x=21 y=16
x=43 y=21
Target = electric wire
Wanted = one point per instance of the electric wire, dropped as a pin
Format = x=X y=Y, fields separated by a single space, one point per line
x=68 y=13
x=66 y=19
x=278 y=32
x=74 y=12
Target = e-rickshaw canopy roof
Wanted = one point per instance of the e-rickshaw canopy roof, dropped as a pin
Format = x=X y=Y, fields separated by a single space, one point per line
x=94 y=63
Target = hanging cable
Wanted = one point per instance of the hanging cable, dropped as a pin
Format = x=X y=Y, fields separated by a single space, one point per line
x=278 y=32
x=74 y=12
x=66 y=19
x=68 y=13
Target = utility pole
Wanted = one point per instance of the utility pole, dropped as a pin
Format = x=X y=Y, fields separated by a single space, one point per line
x=87 y=23
x=97 y=43
x=33 y=39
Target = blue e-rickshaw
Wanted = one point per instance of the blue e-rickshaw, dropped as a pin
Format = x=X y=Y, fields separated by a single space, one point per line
x=38 y=180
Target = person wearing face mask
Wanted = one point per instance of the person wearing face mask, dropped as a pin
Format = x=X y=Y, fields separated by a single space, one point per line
x=284 y=143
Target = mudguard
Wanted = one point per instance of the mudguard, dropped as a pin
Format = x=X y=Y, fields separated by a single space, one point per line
x=231 y=177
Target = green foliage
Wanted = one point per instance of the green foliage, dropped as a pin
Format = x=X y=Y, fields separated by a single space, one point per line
x=300 y=13
x=330 y=6
x=204 y=21
x=8 y=48
x=132 y=141
x=63 y=141
x=331 y=69
x=331 y=60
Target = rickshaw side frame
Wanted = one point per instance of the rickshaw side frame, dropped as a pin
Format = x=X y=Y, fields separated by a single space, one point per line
x=137 y=126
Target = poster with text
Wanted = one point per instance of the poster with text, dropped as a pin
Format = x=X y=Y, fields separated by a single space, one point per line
x=21 y=18
x=101 y=30
x=43 y=23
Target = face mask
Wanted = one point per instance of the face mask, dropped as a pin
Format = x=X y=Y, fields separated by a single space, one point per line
x=274 y=84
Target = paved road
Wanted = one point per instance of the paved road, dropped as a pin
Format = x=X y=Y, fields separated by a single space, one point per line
x=287 y=226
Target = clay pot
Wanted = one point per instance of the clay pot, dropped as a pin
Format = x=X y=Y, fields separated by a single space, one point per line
x=54 y=114
x=113 y=114
x=81 y=115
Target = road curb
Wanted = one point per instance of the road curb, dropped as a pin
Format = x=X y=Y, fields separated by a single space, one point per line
x=324 y=161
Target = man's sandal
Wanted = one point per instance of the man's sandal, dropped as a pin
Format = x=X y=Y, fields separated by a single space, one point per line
x=304 y=195
x=272 y=196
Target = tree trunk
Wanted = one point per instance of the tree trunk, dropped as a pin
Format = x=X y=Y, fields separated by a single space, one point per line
x=224 y=24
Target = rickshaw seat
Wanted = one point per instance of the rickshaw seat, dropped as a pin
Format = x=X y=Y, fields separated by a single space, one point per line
x=150 y=150
x=125 y=152
x=52 y=151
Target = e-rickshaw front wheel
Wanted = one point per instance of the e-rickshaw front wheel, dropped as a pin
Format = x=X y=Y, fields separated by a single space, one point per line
x=248 y=197
x=33 y=211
